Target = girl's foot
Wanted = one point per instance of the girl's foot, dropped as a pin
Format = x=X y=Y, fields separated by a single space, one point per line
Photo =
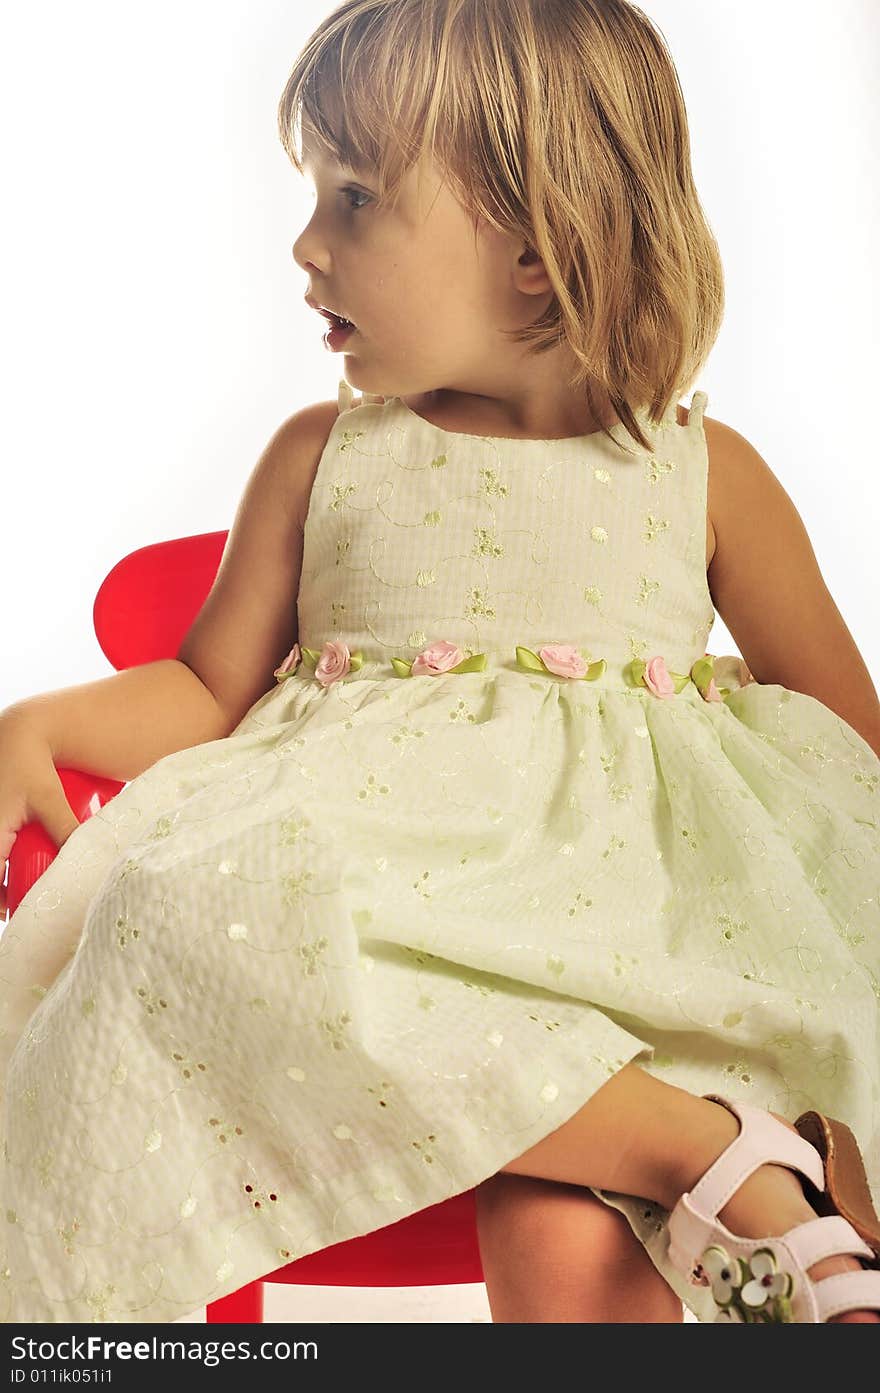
x=637 y=1135
x=769 y=1203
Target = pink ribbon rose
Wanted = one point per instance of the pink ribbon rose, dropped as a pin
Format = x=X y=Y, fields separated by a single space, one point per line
x=290 y=664
x=657 y=678
x=334 y=662
x=745 y=677
x=732 y=669
x=436 y=658
x=563 y=659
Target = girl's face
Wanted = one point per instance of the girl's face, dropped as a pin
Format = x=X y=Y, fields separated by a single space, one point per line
x=429 y=295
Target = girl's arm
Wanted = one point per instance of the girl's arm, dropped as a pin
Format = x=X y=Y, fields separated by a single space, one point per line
x=766 y=584
x=119 y=725
x=249 y=621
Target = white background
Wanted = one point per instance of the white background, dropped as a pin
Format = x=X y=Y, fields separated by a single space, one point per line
x=154 y=334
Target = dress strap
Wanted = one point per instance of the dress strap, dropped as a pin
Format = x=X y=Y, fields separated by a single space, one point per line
x=699 y=402
x=345 y=398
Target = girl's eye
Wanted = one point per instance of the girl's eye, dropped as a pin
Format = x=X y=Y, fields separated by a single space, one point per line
x=358 y=193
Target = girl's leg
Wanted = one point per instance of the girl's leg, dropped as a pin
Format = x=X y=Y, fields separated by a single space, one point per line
x=554 y=1253
x=639 y=1136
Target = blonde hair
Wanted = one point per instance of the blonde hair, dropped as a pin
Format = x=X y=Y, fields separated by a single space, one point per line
x=561 y=122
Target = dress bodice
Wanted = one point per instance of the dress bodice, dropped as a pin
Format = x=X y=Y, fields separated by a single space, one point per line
x=415 y=534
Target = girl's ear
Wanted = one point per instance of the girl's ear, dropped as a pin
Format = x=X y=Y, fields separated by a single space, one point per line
x=529 y=274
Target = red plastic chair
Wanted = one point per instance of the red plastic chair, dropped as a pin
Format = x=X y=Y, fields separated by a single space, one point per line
x=142 y=612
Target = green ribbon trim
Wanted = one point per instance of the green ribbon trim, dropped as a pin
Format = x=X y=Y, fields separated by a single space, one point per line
x=700 y=674
x=532 y=662
x=634 y=673
x=476 y=663
x=356 y=660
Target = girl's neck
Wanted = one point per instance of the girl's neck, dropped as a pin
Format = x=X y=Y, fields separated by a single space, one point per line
x=472 y=414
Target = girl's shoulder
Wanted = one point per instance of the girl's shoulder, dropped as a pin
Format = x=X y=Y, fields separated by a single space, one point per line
x=306 y=435
x=301 y=442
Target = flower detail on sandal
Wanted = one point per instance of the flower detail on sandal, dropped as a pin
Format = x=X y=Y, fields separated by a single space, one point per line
x=777 y=1285
x=746 y=1290
x=724 y=1273
x=333 y=662
x=729 y=1315
x=562 y=660
x=769 y=1289
x=439 y=657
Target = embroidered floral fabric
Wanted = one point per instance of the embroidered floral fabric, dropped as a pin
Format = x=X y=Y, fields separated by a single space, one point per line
x=501 y=825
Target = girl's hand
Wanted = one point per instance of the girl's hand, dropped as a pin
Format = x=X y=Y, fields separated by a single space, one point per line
x=30 y=790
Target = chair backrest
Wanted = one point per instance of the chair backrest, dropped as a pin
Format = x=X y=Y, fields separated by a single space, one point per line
x=146 y=604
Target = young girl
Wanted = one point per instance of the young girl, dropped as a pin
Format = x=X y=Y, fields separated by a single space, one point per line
x=503 y=882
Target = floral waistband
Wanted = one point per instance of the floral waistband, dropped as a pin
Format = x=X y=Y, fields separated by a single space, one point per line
x=335 y=661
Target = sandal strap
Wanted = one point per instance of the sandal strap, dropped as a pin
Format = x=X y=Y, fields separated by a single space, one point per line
x=762 y=1138
x=847 y=1291
x=827 y=1237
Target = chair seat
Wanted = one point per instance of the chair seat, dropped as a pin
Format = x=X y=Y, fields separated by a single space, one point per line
x=434 y=1247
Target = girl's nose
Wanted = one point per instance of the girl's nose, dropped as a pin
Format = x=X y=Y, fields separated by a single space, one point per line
x=308 y=255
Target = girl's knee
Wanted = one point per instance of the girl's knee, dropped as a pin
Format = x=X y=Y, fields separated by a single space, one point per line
x=556 y=1252
x=552 y=1213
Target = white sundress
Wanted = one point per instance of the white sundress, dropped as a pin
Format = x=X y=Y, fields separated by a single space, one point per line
x=293 y=985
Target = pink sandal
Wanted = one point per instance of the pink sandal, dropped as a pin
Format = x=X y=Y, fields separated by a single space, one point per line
x=766 y=1279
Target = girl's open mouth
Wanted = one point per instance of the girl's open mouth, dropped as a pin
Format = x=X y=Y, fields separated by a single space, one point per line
x=339 y=335
x=339 y=332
